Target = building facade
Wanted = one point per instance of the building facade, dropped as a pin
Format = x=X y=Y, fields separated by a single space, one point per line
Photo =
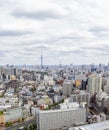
x=54 y=119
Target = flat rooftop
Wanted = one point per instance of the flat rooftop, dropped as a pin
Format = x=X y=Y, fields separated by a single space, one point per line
x=61 y=110
x=95 y=126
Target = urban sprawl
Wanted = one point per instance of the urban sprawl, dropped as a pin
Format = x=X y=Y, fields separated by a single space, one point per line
x=54 y=97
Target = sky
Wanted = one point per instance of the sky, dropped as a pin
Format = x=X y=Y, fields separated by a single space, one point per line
x=65 y=31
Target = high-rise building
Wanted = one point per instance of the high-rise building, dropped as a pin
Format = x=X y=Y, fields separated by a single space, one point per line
x=41 y=60
x=106 y=85
x=94 y=84
x=67 y=87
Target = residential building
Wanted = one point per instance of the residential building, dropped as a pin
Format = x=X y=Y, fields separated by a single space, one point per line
x=82 y=96
x=54 y=119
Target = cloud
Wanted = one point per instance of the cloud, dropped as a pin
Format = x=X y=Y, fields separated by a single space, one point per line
x=49 y=12
x=74 y=32
x=2 y=53
x=102 y=48
x=99 y=29
x=7 y=33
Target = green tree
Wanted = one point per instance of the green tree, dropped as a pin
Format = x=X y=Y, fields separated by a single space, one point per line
x=6 y=124
x=25 y=128
x=31 y=127
x=1 y=112
x=10 y=123
x=34 y=125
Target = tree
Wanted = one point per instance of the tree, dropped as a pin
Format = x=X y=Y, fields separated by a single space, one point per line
x=1 y=112
x=25 y=128
x=10 y=123
x=23 y=119
x=6 y=124
x=34 y=125
x=31 y=127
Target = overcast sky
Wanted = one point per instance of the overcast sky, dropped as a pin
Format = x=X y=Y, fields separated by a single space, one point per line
x=66 y=31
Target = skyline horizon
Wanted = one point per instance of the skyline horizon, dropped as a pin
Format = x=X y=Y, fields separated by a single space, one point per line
x=106 y=64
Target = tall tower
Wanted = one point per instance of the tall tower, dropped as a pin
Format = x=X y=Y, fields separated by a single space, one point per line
x=41 y=60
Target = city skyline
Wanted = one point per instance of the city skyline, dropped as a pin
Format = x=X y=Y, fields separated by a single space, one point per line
x=73 y=32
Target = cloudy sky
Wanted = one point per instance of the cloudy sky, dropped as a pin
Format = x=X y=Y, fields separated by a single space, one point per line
x=66 y=31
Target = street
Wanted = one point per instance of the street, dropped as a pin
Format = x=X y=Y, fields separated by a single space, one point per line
x=26 y=123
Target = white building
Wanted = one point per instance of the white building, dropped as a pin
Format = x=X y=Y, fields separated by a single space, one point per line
x=13 y=114
x=52 y=119
x=96 y=126
x=57 y=98
x=102 y=99
x=34 y=110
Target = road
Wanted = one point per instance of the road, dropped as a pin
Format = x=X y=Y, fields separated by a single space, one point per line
x=26 y=123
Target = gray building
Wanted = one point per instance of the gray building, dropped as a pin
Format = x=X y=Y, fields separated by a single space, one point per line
x=106 y=85
x=55 y=119
x=82 y=96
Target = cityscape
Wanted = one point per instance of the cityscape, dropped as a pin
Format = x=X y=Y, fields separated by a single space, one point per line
x=56 y=97
x=54 y=65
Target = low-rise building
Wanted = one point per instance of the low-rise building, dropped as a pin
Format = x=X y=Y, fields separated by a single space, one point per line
x=96 y=126
x=82 y=96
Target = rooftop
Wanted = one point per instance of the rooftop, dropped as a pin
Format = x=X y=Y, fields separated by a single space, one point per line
x=96 y=126
x=61 y=110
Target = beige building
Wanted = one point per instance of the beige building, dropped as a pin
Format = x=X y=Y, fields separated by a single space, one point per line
x=2 y=120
